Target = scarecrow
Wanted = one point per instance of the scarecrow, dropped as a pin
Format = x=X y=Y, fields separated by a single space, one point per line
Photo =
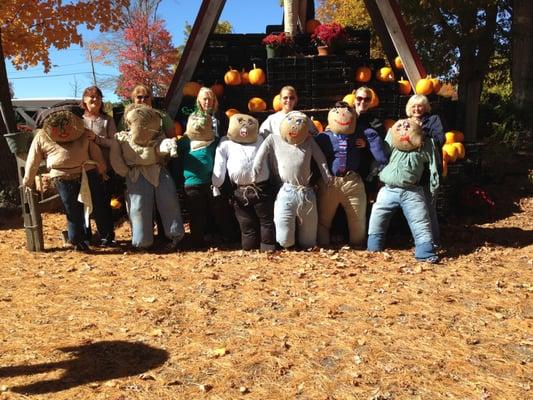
x=253 y=202
x=77 y=169
x=410 y=154
x=290 y=155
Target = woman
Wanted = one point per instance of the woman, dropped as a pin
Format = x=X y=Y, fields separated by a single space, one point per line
x=289 y=98
x=418 y=108
x=142 y=94
x=101 y=130
x=207 y=102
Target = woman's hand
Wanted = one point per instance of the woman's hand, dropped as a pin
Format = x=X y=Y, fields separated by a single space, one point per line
x=360 y=143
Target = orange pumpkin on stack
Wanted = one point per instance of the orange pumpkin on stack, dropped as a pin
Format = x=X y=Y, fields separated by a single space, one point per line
x=256 y=76
x=453 y=149
x=232 y=77
x=363 y=74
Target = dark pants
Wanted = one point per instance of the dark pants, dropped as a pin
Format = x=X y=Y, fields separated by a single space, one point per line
x=69 y=191
x=254 y=209
x=205 y=209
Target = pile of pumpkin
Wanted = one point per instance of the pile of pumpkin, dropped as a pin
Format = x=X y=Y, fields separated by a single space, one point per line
x=452 y=150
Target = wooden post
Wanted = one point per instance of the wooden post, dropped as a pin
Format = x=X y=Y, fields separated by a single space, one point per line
x=204 y=24
x=395 y=37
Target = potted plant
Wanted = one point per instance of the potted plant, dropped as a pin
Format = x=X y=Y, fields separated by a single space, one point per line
x=276 y=44
x=332 y=36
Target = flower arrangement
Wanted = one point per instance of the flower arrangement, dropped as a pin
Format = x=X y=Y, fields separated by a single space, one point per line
x=332 y=34
x=278 y=40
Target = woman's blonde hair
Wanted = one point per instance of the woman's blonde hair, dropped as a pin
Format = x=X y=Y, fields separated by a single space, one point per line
x=211 y=94
x=364 y=89
x=417 y=99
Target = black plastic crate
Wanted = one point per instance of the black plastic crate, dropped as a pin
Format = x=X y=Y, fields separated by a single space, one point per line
x=294 y=71
x=333 y=89
x=326 y=101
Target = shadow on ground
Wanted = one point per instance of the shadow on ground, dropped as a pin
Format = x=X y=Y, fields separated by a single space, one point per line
x=94 y=362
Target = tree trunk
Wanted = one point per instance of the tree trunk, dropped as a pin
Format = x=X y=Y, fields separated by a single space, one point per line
x=8 y=166
x=522 y=59
x=473 y=67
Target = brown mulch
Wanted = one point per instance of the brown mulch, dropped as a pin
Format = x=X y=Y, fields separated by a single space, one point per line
x=226 y=324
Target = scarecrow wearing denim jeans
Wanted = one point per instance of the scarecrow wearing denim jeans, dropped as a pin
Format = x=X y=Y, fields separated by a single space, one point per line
x=410 y=154
x=77 y=167
x=138 y=155
x=289 y=155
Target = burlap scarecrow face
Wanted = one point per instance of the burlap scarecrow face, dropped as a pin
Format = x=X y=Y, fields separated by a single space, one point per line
x=243 y=128
x=407 y=135
x=341 y=120
x=63 y=126
x=144 y=123
x=294 y=127
x=200 y=127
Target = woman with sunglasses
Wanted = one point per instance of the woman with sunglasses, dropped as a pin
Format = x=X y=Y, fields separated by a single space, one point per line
x=142 y=94
x=289 y=99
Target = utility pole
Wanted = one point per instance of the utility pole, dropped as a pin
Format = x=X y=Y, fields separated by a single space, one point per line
x=92 y=66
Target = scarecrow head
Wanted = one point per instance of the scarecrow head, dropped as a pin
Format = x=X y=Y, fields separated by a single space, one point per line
x=144 y=123
x=200 y=127
x=342 y=118
x=294 y=127
x=62 y=123
x=243 y=128
x=407 y=135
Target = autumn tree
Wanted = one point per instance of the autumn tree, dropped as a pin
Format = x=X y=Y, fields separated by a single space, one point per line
x=28 y=28
x=147 y=57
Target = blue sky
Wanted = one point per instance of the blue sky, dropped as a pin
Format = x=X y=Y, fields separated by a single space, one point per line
x=71 y=65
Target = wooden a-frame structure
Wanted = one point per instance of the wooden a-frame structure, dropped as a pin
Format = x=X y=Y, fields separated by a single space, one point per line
x=385 y=15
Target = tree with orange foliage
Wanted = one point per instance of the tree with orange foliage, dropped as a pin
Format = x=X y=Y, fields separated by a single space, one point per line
x=28 y=28
x=147 y=57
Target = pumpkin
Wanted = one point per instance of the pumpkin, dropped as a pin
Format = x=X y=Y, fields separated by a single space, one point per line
x=231 y=111
x=311 y=25
x=404 y=87
x=245 y=79
x=232 y=77
x=424 y=86
x=318 y=125
x=460 y=150
x=256 y=104
x=218 y=90
x=450 y=137
x=374 y=100
x=115 y=203
x=363 y=74
x=178 y=130
x=459 y=136
x=388 y=123
x=191 y=89
x=445 y=157
x=350 y=99
x=398 y=62
x=437 y=85
x=385 y=74
x=451 y=150
x=276 y=103
x=256 y=76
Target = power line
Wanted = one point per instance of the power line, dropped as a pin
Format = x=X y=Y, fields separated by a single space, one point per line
x=56 y=75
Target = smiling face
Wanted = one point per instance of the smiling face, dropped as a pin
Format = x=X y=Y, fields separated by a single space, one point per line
x=243 y=128
x=341 y=120
x=418 y=110
x=288 y=100
x=407 y=135
x=92 y=101
x=200 y=127
x=294 y=127
x=363 y=96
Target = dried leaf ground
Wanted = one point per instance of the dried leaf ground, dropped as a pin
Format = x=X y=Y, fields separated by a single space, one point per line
x=333 y=324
